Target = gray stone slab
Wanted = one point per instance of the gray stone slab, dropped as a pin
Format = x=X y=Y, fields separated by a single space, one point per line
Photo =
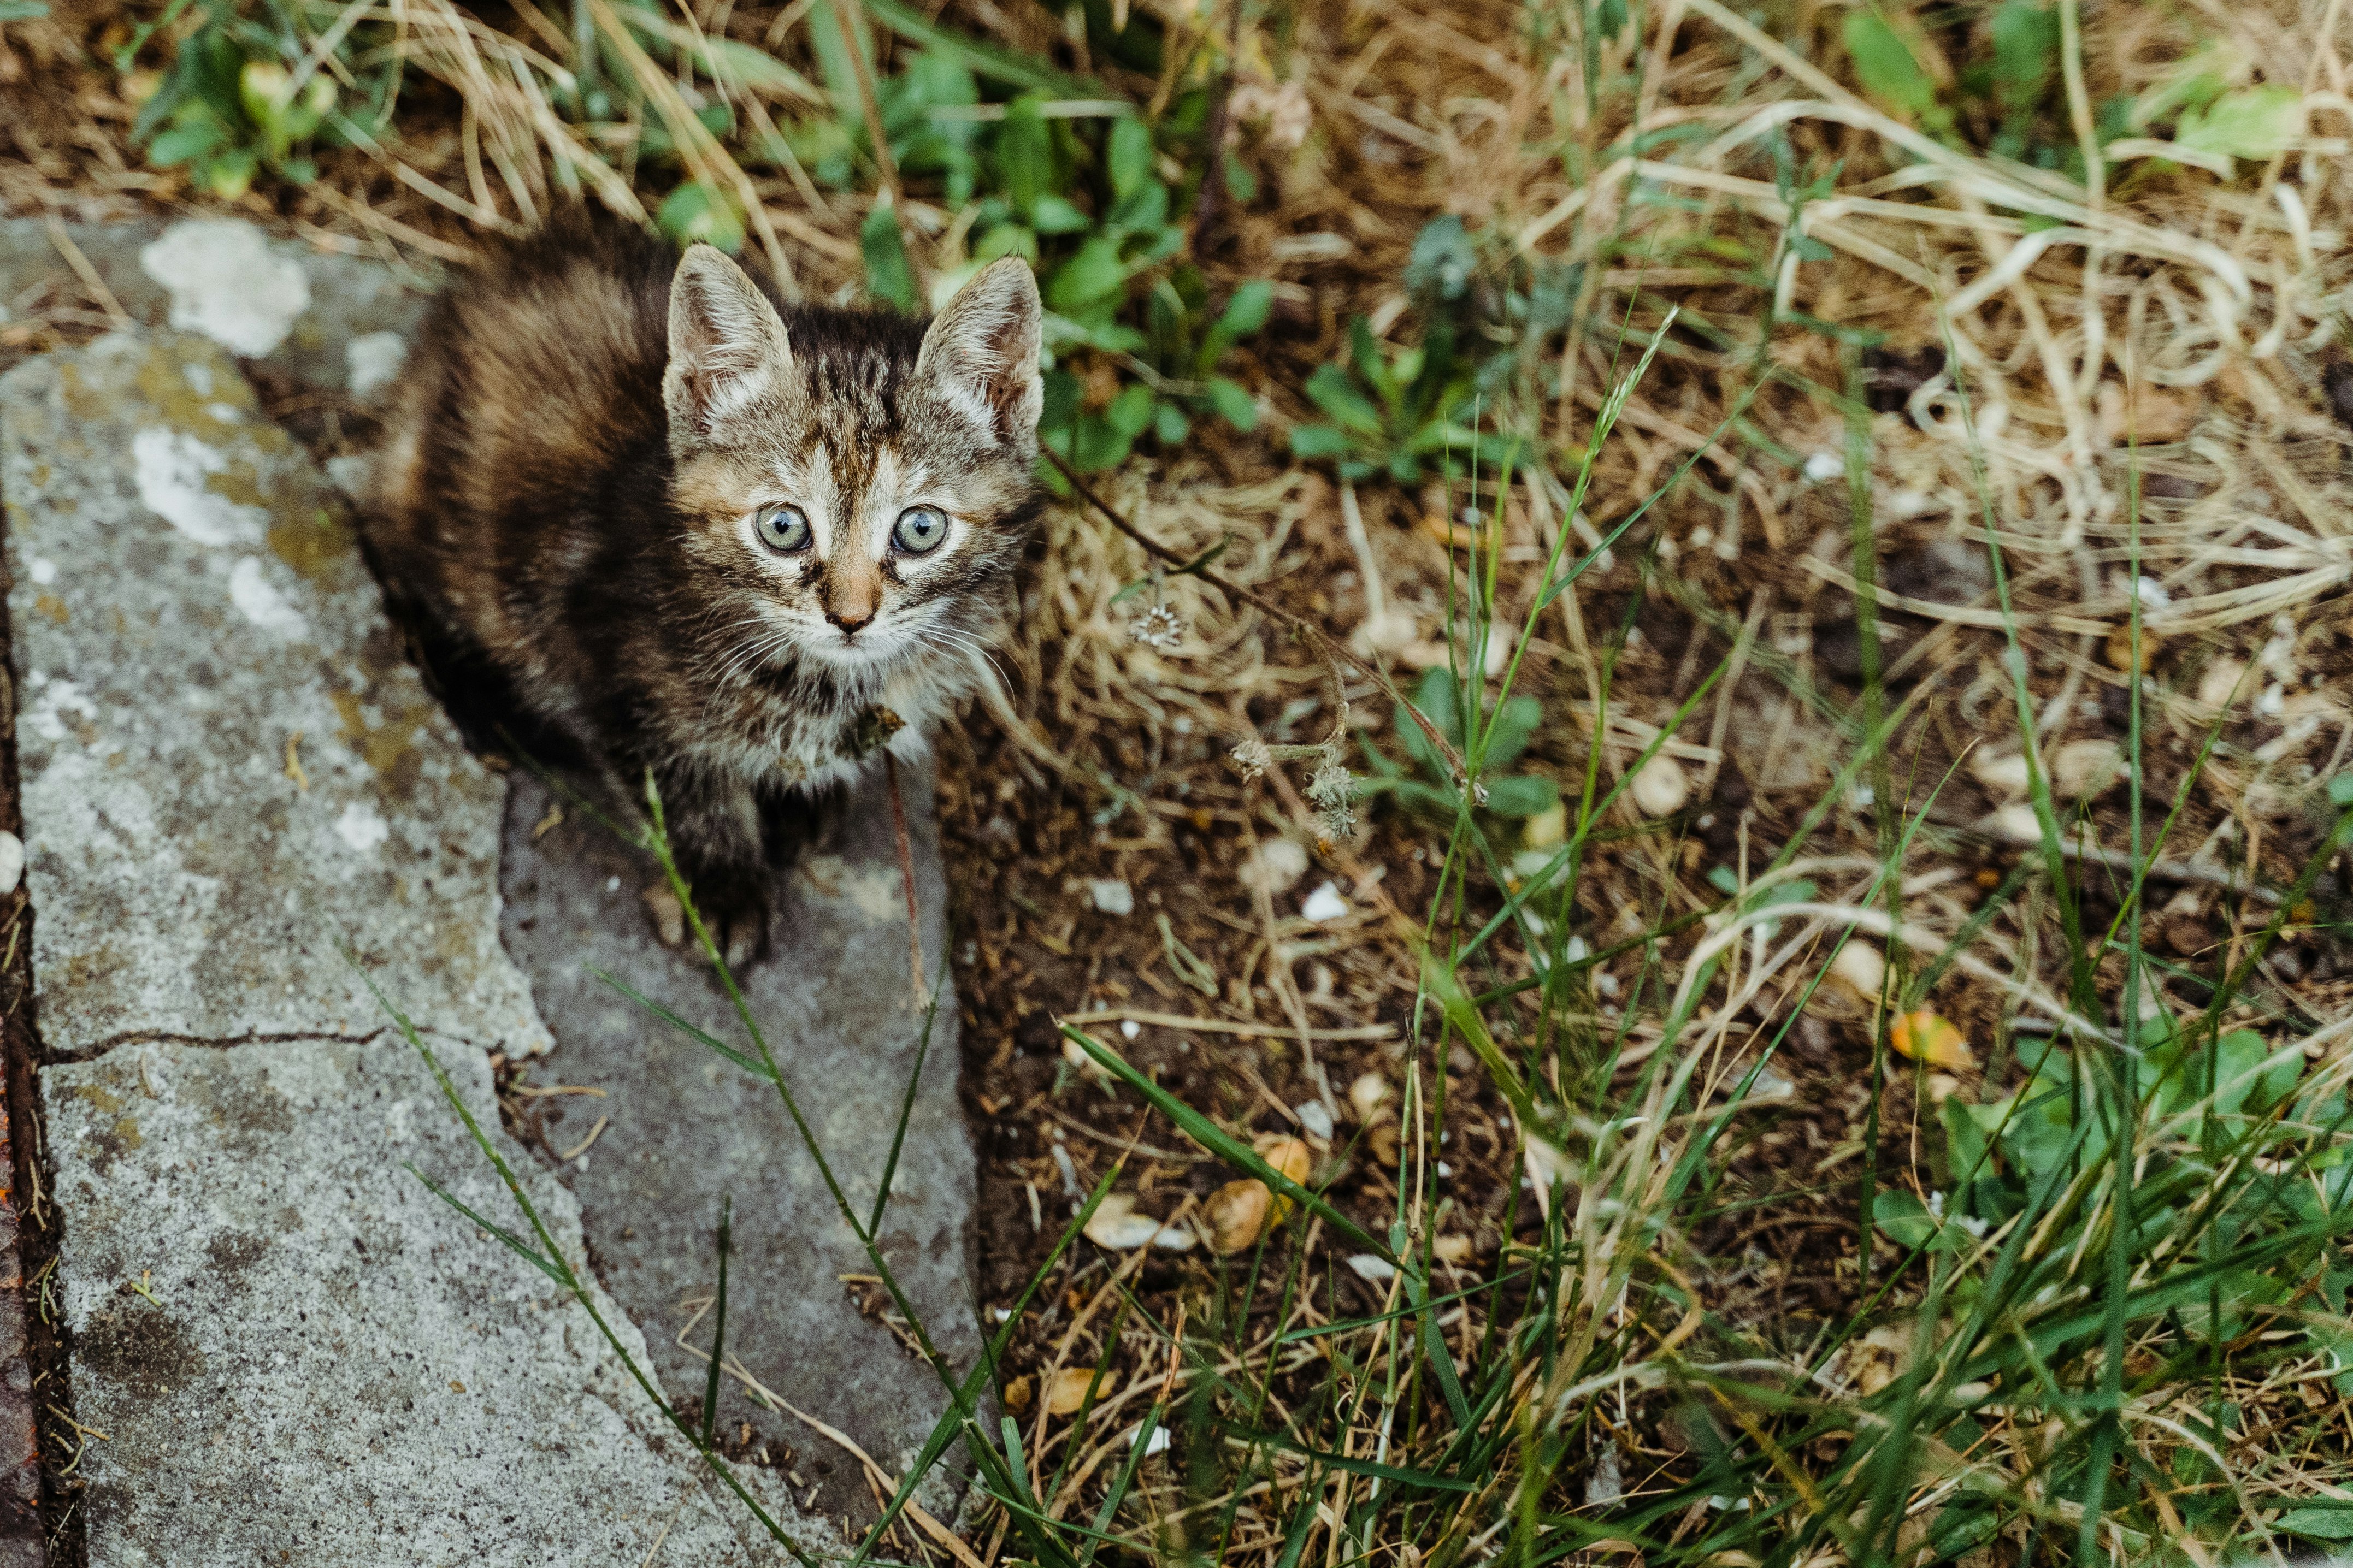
x=299 y=1354
x=229 y=1114
x=187 y=608
x=684 y=1126
x=344 y=299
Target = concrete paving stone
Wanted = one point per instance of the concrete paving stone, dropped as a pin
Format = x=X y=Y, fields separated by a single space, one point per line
x=230 y=771
x=355 y=315
x=299 y=1354
x=684 y=1127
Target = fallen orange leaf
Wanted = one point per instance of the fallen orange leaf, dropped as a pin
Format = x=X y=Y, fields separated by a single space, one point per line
x=1927 y=1037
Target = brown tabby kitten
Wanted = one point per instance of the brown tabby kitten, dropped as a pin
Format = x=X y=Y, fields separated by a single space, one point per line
x=645 y=518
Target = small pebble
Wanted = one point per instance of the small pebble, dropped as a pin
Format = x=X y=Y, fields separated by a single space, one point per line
x=1235 y=1212
x=1367 y=1095
x=12 y=862
x=1076 y=1055
x=1116 y=1227
x=1314 y=1119
x=1376 y=1270
x=1324 y=905
x=2017 y=823
x=2220 y=683
x=2083 y=768
x=1129 y=1028
x=1861 y=968
x=1275 y=866
x=2001 y=773
x=1823 y=466
x=1661 y=787
x=1112 y=898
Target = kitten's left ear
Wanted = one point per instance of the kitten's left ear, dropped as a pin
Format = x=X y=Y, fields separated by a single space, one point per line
x=728 y=348
x=982 y=353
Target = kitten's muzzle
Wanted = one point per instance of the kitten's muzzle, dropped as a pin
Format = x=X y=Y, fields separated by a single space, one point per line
x=850 y=624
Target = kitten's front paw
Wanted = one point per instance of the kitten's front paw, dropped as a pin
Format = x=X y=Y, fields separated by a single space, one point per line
x=735 y=910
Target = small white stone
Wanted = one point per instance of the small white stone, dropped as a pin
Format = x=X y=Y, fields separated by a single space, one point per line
x=1861 y=968
x=1324 y=905
x=2219 y=682
x=1529 y=864
x=2002 y=774
x=2151 y=594
x=1823 y=466
x=1314 y=1119
x=1077 y=1057
x=1377 y=1270
x=1155 y=1444
x=1129 y=1028
x=44 y=571
x=2017 y=823
x=372 y=362
x=1367 y=1095
x=227 y=283
x=1112 y=898
x=1391 y=631
x=1276 y=866
x=1116 y=1227
x=1660 y=787
x=2082 y=769
x=12 y=862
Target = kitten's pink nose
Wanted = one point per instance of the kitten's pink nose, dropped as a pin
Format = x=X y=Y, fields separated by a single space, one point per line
x=849 y=624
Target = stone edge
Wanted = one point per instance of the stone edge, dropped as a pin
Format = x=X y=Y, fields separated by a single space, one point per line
x=34 y=1383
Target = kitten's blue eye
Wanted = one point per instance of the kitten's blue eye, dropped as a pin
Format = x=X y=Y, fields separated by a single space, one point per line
x=782 y=528
x=920 y=530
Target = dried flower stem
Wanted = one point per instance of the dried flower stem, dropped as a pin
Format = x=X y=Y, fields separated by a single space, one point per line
x=1307 y=628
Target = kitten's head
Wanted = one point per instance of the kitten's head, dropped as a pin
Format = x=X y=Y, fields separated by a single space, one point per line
x=852 y=488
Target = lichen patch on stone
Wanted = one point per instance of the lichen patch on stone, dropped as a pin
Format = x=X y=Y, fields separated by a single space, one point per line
x=227 y=283
x=259 y=600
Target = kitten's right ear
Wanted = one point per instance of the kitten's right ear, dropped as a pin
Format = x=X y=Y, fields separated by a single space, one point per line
x=728 y=348
x=981 y=349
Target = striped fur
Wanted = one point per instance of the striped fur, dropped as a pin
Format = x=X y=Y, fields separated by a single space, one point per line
x=589 y=427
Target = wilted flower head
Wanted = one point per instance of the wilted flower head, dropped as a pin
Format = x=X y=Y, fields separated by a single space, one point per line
x=1333 y=792
x=1158 y=628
